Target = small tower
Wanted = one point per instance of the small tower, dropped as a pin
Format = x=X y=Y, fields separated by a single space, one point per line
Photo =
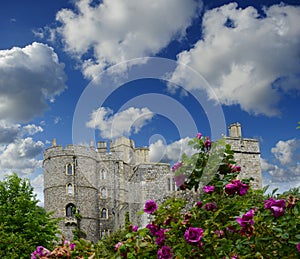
x=70 y=186
x=246 y=153
x=235 y=130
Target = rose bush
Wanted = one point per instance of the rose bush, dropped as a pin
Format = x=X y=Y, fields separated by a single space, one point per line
x=224 y=218
x=228 y=219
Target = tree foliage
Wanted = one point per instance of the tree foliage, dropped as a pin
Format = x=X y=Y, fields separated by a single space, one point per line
x=23 y=224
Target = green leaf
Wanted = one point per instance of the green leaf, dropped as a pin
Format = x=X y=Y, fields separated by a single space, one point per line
x=140 y=212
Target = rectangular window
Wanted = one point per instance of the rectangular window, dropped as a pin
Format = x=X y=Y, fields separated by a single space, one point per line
x=173 y=185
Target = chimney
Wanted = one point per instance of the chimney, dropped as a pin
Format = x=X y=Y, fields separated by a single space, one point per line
x=111 y=146
x=101 y=147
x=235 y=130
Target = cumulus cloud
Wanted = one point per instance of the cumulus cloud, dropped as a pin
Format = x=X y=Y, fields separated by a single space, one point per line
x=248 y=59
x=161 y=152
x=119 y=124
x=31 y=129
x=285 y=167
x=18 y=152
x=116 y=30
x=9 y=132
x=29 y=77
x=20 y=156
x=285 y=151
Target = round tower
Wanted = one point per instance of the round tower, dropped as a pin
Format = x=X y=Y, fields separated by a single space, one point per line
x=70 y=189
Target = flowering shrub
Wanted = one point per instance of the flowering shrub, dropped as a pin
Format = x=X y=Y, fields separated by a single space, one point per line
x=150 y=206
x=275 y=206
x=227 y=219
x=77 y=249
x=40 y=252
x=236 y=187
x=193 y=235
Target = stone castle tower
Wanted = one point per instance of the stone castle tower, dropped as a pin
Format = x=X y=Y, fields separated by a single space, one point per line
x=246 y=154
x=103 y=185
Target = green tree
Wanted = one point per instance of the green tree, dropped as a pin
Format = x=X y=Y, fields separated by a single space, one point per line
x=23 y=224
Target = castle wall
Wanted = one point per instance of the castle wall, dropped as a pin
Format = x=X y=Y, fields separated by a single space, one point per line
x=147 y=182
x=104 y=186
x=141 y=155
x=246 y=154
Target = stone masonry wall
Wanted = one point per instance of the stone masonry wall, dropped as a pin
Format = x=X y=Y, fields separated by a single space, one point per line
x=102 y=180
x=247 y=155
x=148 y=182
x=82 y=192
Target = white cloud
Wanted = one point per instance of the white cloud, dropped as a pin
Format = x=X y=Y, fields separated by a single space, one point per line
x=161 y=152
x=265 y=165
x=121 y=123
x=284 y=170
x=31 y=129
x=20 y=156
x=247 y=59
x=57 y=119
x=119 y=30
x=8 y=131
x=38 y=184
x=285 y=151
x=29 y=77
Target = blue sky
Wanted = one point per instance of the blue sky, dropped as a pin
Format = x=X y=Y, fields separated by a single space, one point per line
x=155 y=71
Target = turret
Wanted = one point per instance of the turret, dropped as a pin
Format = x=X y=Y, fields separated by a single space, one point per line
x=246 y=153
x=70 y=185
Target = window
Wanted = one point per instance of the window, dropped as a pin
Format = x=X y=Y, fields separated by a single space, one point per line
x=171 y=184
x=70 y=209
x=105 y=232
x=103 y=174
x=69 y=169
x=104 y=213
x=103 y=193
x=70 y=189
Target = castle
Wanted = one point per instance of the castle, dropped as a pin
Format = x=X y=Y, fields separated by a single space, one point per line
x=103 y=186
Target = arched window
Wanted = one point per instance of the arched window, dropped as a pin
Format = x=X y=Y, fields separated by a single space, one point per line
x=70 y=189
x=104 y=213
x=103 y=193
x=70 y=208
x=103 y=174
x=69 y=169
